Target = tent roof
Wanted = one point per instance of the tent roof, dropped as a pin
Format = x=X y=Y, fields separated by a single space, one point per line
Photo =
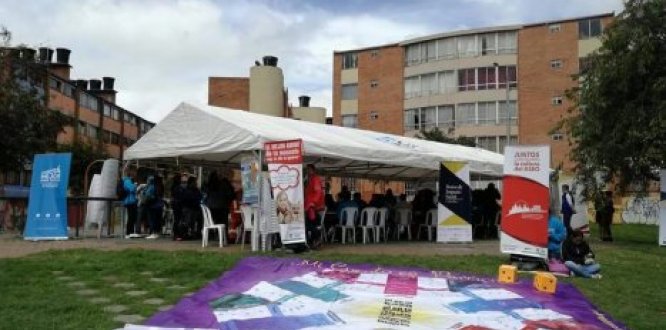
x=211 y=134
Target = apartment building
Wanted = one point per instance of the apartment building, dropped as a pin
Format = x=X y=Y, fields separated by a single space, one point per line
x=494 y=84
x=92 y=103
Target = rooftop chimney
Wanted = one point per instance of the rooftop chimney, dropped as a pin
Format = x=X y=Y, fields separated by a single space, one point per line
x=270 y=60
x=95 y=84
x=62 y=55
x=108 y=83
x=45 y=55
x=304 y=101
x=28 y=54
x=82 y=83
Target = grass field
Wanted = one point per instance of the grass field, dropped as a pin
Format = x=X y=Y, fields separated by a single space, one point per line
x=40 y=291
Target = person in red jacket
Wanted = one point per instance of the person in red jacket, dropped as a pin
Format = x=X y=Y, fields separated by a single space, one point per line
x=314 y=202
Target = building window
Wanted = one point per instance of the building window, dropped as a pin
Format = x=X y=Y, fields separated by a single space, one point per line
x=502 y=142
x=413 y=54
x=554 y=28
x=68 y=90
x=428 y=84
x=349 y=91
x=487 y=113
x=589 y=28
x=374 y=115
x=507 y=42
x=88 y=101
x=374 y=53
x=557 y=136
x=92 y=131
x=502 y=113
x=488 y=44
x=412 y=120
x=446 y=49
x=115 y=113
x=428 y=51
x=467 y=46
x=556 y=64
x=349 y=61
x=412 y=87
x=349 y=121
x=487 y=78
x=447 y=82
x=466 y=80
x=374 y=83
x=556 y=100
x=507 y=74
x=487 y=143
x=107 y=110
x=428 y=118
x=115 y=138
x=445 y=116
x=82 y=127
x=465 y=114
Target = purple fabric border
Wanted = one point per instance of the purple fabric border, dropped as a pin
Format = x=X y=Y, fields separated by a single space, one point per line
x=193 y=311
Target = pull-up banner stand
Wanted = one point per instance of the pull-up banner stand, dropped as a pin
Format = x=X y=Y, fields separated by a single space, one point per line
x=285 y=167
x=454 y=210
x=525 y=201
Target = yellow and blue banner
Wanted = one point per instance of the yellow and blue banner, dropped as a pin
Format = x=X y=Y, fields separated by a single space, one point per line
x=454 y=209
x=47 y=206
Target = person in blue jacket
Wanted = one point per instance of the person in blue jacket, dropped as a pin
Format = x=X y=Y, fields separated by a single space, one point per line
x=557 y=233
x=130 y=201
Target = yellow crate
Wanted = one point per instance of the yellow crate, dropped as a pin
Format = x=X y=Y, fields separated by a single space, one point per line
x=545 y=282
x=507 y=274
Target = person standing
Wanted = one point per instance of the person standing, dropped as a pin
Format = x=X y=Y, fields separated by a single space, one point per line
x=130 y=202
x=568 y=207
x=491 y=207
x=314 y=202
x=219 y=195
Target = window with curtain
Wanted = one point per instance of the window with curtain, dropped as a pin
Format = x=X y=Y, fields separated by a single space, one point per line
x=466 y=80
x=488 y=44
x=466 y=46
x=349 y=91
x=413 y=54
x=487 y=142
x=412 y=119
x=502 y=142
x=512 y=111
x=428 y=52
x=487 y=113
x=445 y=117
x=428 y=118
x=507 y=73
x=428 y=84
x=349 y=121
x=465 y=114
x=412 y=87
x=447 y=82
x=349 y=61
x=589 y=28
x=507 y=43
x=446 y=49
x=487 y=78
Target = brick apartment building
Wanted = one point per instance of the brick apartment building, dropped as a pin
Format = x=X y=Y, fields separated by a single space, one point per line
x=462 y=81
x=92 y=103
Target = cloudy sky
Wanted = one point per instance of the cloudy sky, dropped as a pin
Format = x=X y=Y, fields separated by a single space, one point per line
x=162 y=52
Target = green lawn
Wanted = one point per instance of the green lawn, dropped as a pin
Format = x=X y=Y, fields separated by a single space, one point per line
x=633 y=289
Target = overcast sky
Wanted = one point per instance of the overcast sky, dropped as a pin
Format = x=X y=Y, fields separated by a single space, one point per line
x=162 y=52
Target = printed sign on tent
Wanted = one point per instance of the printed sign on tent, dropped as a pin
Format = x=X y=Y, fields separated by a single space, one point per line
x=250 y=178
x=47 y=206
x=454 y=209
x=525 y=201
x=285 y=166
x=662 y=209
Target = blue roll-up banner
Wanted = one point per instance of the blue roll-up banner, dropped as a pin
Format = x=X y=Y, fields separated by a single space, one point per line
x=47 y=206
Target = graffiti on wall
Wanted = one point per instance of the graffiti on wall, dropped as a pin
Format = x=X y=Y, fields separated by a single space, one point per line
x=641 y=210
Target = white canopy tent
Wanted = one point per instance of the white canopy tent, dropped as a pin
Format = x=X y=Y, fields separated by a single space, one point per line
x=205 y=134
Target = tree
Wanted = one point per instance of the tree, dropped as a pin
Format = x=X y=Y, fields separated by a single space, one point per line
x=27 y=126
x=618 y=124
x=435 y=134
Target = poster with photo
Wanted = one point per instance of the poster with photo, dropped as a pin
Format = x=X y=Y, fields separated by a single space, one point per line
x=285 y=167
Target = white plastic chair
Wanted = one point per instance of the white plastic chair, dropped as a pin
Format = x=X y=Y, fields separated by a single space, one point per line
x=430 y=225
x=404 y=223
x=322 y=224
x=368 y=222
x=249 y=216
x=208 y=224
x=382 y=216
x=349 y=215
